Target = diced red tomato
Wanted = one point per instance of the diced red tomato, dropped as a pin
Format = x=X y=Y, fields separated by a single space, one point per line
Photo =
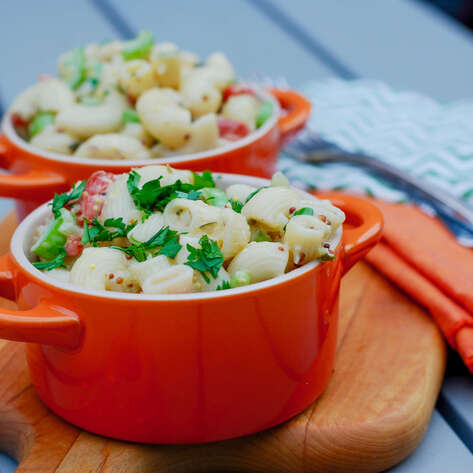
x=93 y=197
x=237 y=89
x=18 y=121
x=231 y=129
x=74 y=246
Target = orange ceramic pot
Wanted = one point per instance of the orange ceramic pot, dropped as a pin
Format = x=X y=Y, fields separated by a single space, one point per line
x=182 y=368
x=35 y=175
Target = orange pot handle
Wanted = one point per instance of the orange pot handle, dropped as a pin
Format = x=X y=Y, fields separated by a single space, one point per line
x=34 y=184
x=48 y=323
x=295 y=110
x=363 y=226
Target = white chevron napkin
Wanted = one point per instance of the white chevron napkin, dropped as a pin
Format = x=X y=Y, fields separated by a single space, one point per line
x=432 y=141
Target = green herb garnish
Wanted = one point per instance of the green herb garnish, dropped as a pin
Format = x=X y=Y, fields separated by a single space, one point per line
x=207 y=259
x=99 y=232
x=204 y=180
x=254 y=193
x=223 y=285
x=153 y=196
x=60 y=200
x=165 y=238
x=57 y=262
x=236 y=205
x=304 y=211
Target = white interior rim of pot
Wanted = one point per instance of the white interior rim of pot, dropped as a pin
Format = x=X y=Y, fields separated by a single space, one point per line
x=21 y=243
x=10 y=132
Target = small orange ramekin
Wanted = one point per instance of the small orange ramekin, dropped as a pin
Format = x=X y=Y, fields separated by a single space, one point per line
x=182 y=368
x=35 y=175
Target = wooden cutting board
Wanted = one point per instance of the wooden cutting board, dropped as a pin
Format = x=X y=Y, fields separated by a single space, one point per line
x=389 y=368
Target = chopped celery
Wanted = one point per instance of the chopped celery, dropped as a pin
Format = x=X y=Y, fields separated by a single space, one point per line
x=240 y=278
x=214 y=196
x=261 y=236
x=138 y=47
x=130 y=116
x=265 y=111
x=40 y=122
x=51 y=243
x=73 y=67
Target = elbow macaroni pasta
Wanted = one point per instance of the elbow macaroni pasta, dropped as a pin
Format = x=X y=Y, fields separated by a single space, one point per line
x=188 y=242
x=165 y=98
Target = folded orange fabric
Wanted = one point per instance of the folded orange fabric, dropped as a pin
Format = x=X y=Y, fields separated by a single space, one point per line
x=423 y=258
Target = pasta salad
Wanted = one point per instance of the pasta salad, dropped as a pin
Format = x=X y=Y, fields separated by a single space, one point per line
x=137 y=100
x=159 y=230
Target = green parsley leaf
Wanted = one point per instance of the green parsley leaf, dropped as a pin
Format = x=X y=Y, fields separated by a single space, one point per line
x=60 y=200
x=236 y=205
x=207 y=259
x=304 y=211
x=254 y=193
x=97 y=232
x=171 y=248
x=204 y=180
x=57 y=262
x=153 y=196
x=165 y=238
x=223 y=285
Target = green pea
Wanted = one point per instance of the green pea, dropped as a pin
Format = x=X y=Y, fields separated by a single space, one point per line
x=130 y=116
x=240 y=278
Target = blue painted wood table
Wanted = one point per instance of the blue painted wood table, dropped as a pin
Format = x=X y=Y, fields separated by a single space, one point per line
x=402 y=42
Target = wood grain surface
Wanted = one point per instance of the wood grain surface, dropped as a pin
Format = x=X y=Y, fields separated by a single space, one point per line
x=389 y=367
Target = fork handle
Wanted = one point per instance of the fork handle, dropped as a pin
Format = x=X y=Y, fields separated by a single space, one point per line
x=443 y=202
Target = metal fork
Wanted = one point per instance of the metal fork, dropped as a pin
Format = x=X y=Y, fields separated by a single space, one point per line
x=457 y=215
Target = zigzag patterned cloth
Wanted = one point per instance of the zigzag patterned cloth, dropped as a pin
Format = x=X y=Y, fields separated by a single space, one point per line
x=432 y=141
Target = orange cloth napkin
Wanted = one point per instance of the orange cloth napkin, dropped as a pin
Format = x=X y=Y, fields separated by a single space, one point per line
x=421 y=256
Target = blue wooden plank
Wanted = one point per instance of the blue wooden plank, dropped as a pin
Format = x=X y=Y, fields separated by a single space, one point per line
x=252 y=41
x=456 y=404
x=402 y=42
x=440 y=451
x=7 y=464
x=33 y=36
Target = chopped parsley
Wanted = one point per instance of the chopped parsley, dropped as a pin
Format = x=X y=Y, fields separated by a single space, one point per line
x=165 y=238
x=204 y=180
x=304 y=211
x=223 y=285
x=60 y=200
x=97 y=231
x=57 y=262
x=153 y=196
x=254 y=193
x=237 y=206
x=207 y=259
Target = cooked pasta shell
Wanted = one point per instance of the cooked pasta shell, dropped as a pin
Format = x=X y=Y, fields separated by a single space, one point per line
x=263 y=260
